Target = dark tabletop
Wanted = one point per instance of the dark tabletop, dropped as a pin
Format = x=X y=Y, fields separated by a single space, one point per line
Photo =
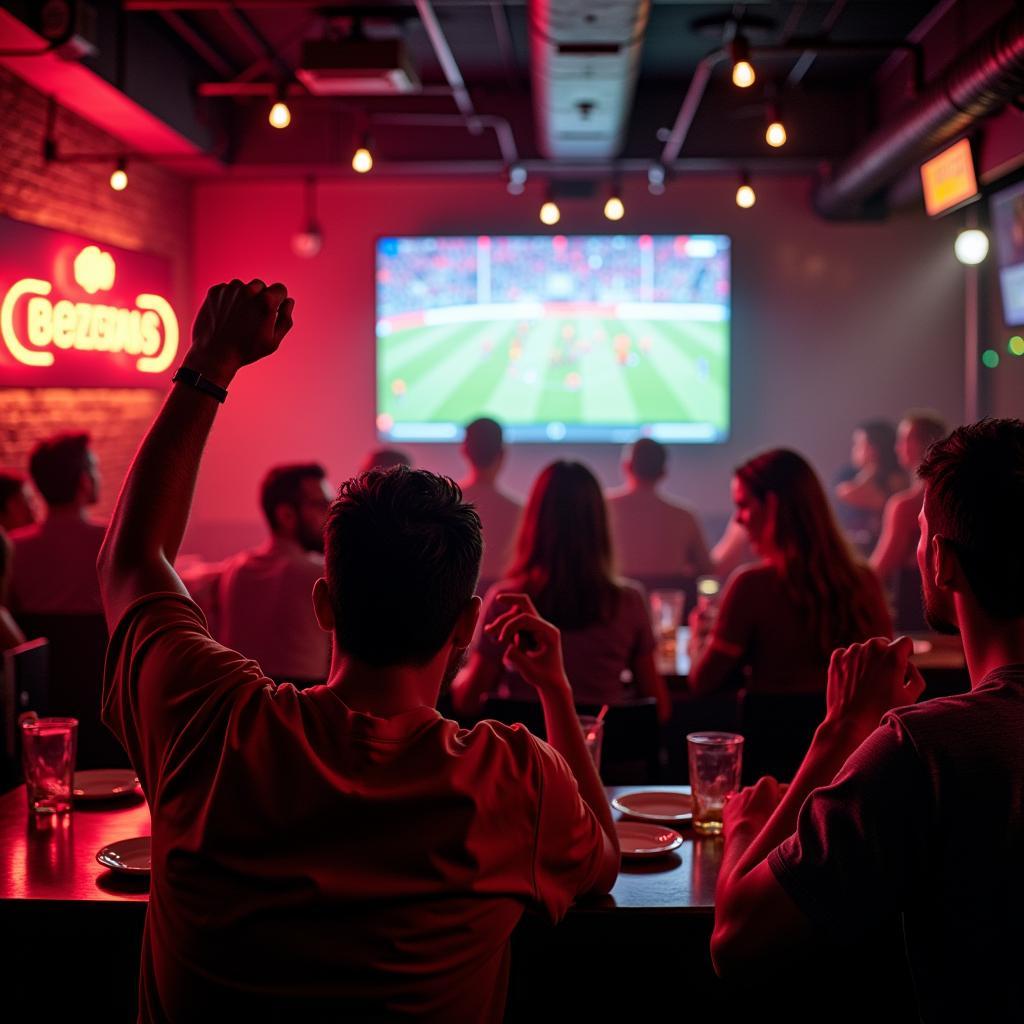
x=54 y=860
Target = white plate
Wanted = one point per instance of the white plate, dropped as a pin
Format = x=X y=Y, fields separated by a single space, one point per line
x=676 y=808
x=104 y=783
x=128 y=856
x=637 y=840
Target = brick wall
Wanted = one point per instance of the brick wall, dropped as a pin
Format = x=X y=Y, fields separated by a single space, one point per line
x=153 y=214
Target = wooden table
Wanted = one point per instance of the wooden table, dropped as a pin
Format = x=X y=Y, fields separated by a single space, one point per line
x=657 y=918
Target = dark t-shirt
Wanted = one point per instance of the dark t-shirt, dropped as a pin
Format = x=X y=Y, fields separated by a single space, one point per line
x=759 y=620
x=927 y=819
x=312 y=862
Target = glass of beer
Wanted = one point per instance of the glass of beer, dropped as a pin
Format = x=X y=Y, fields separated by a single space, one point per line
x=715 y=763
x=666 y=618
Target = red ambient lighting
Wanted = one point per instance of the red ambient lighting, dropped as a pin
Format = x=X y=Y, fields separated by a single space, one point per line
x=73 y=313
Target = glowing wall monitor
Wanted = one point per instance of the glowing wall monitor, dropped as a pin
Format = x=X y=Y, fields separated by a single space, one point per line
x=948 y=179
x=75 y=318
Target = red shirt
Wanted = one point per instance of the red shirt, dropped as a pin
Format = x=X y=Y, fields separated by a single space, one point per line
x=316 y=861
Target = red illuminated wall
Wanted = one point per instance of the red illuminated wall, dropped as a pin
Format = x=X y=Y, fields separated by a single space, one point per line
x=832 y=324
x=152 y=215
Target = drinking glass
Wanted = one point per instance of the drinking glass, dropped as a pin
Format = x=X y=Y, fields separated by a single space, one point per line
x=666 y=618
x=48 y=747
x=715 y=763
x=593 y=735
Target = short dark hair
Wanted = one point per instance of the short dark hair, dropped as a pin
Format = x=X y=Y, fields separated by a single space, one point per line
x=11 y=483
x=647 y=459
x=974 y=497
x=484 y=442
x=57 y=464
x=283 y=486
x=403 y=555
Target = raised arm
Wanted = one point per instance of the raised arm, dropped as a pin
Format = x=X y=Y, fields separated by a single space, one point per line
x=237 y=324
x=535 y=650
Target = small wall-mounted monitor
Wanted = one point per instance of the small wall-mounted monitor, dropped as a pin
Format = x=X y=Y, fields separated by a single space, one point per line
x=1007 y=216
x=948 y=180
x=563 y=338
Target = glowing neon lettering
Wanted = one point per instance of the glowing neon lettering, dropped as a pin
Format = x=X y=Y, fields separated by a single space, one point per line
x=27 y=286
x=149 y=331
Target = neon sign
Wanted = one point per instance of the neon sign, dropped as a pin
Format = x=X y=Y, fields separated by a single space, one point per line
x=79 y=318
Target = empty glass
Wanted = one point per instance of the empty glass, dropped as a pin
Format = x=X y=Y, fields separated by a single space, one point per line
x=715 y=762
x=48 y=748
x=593 y=734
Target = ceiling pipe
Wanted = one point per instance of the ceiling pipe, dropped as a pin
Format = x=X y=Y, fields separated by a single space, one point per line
x=500 y=126
x=986 y=77
x=473 y=121
x=445 y=58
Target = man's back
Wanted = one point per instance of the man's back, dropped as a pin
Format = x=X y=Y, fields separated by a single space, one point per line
x=54 y=566
x=652 y=536
x=322 y=861
x=927 y=818
x=499 y=517
x=266 y=610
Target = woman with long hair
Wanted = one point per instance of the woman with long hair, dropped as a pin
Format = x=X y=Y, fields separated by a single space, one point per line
x=876 y=475
x=563 y=562
x=780 y=619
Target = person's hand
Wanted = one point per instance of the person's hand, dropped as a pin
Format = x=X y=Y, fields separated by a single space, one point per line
x=753 y=805
x=534 y=646
x=867 y=680
x=238 y=324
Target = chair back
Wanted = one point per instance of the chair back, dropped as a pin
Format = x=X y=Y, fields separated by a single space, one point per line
x=78 y=647
x=631 y=750
x=25 y=682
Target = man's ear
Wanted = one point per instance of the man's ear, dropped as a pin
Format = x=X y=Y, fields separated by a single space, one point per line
x=465 y=624
x=286 y=518
x=322 y=607
x=945 y=564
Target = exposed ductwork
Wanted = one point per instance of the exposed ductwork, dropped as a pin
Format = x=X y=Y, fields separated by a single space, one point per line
x=584 y=60
x=985 y=78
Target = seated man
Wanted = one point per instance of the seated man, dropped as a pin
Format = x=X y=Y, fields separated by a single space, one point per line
x=16 y=509
x=54 y=565
x=265 y=602
x=484 y=449
x=651 y=536
x=920 y=815
x=342 y=852
x=894 y=557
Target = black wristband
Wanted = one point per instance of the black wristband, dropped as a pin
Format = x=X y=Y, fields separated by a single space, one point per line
x=194 y=379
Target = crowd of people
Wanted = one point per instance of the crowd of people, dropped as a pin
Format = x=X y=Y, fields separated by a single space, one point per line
x=391 y=885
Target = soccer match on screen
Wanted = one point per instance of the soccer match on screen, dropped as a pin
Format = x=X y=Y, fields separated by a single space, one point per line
x=601 y=338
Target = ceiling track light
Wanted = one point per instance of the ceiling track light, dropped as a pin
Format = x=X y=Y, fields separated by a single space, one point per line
x=745 y=194
x=362 y=158
x=119 y=176
x=743 y=75
x=308 y=242
x=656 y=179
x=516 y=180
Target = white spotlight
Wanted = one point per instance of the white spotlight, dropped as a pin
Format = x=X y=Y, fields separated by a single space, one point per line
x=971 y=246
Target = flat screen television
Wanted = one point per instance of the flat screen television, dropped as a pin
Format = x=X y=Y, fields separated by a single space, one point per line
x=1007 y=216
x=561 y=338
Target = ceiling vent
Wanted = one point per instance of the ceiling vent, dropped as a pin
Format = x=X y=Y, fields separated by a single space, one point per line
x=356 y=67
x=585 y=55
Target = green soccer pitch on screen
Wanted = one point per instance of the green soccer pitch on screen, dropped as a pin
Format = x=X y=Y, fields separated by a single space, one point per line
x=563 y=338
